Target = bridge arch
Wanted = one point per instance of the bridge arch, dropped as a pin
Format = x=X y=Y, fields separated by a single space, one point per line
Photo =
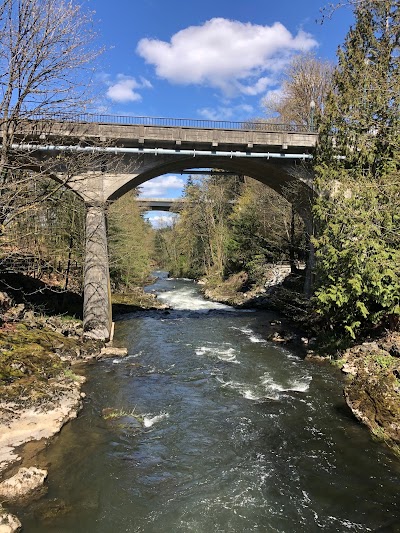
x=286 y=178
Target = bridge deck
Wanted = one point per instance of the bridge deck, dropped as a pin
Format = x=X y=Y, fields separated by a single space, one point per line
x=147 y=132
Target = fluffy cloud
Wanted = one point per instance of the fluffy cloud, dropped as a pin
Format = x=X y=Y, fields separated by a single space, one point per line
x=223 y=53
x=164 y=186
x=125 y=89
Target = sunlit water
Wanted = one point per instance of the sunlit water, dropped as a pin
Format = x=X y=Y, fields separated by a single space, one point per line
x=238 y=435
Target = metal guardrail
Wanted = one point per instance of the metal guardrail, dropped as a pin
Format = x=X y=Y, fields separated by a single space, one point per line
x=249 y=125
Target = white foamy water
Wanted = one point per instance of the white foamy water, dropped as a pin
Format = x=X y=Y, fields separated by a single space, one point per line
x=250 y=395
x=267 y=389
x=149 y=421
x=248 y=391
x=186 y=299
x=250 y=334
x=223 y=354
x=297 y=385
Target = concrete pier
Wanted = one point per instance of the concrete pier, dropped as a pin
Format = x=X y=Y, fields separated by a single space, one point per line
x=97 y=312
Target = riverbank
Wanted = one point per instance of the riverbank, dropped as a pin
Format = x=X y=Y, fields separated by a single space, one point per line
x=41 y=369
x=39 y=392
x=277 y=290
x=373 y=387
x=42 y=362
x=372 y=391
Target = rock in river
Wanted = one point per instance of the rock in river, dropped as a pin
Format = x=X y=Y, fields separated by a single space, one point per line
x=23 y=483
x=8 y=522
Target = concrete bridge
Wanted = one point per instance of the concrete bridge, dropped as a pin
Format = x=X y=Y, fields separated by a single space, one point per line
x=133 y=150
x=160 y=204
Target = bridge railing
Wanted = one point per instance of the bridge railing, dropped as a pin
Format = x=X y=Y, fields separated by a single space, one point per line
x=249 y=125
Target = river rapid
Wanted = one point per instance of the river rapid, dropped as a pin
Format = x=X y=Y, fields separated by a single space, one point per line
x=236 y=434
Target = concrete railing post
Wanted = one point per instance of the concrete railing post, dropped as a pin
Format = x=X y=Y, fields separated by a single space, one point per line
x=97 y=314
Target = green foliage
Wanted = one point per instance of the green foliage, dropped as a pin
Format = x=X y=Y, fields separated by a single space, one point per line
x=358 y=242
x=384 y=360
x=261 y=229
x=228 y=225
x=130 y=243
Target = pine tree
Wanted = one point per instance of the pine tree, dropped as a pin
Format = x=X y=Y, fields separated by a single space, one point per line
x=358 y=177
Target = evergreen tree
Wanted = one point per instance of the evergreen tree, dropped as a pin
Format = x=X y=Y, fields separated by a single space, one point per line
x=357 y=169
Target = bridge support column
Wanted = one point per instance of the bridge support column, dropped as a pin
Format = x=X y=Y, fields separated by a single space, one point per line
x=97 y=314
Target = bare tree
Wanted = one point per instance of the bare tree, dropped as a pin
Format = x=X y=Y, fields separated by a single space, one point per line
x=306 y=83
x=328 y=10
x=46 y=55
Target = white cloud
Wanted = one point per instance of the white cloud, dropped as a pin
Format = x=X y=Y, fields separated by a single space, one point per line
x=125 y=89
x=258 y=87
x=223 y=53
x=161 y=221
x=162 y=186
x=225 y=112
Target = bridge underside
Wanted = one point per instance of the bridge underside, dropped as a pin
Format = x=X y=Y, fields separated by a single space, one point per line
x=160 y=204
x=290 y=179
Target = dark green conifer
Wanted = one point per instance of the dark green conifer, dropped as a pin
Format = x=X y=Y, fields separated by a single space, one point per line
x=358 y=177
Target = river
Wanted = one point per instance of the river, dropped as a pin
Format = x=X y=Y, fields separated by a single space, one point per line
x=237 y=434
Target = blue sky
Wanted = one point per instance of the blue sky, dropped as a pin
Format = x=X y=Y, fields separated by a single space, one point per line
x=213 y=59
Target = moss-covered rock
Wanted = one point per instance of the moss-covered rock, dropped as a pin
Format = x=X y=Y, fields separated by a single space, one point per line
x=31 y=357
x=373 y=390
x=230 y=291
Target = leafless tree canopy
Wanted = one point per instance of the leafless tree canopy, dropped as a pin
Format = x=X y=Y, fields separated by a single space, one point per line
x=328 y=10
x=307 y=79
x=45 y=54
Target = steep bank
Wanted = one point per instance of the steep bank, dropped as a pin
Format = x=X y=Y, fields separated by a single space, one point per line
x=277 y=289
